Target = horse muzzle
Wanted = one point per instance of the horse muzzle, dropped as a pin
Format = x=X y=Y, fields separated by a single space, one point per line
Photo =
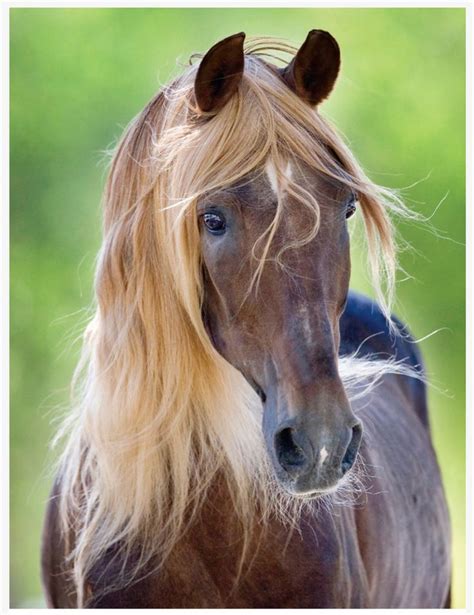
x=311 y=459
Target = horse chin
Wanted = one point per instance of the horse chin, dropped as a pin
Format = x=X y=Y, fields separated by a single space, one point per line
x=305 y=488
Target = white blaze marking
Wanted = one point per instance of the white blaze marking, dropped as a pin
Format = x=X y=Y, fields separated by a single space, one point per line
x=323 y=455
x=273 y=178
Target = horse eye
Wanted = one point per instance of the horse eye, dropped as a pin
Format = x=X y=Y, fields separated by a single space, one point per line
x=351 y=206
x=214 y=222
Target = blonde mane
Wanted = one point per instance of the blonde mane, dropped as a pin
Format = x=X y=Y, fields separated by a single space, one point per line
x=158 y=413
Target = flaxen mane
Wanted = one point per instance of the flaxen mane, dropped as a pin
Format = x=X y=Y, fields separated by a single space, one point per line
x=157 y=411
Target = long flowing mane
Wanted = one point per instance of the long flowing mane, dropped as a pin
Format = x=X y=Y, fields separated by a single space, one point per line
x=158 y=413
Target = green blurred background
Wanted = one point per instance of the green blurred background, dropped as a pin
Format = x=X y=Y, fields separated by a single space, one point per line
x=79 y=75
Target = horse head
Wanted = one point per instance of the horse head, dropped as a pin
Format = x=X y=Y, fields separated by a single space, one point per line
x=276 y=268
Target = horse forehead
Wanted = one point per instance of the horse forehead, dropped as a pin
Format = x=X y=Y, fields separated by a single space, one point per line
x=278 y=183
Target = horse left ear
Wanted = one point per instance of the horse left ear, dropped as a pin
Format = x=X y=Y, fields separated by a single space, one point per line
x=313 y=71
x=220 y=73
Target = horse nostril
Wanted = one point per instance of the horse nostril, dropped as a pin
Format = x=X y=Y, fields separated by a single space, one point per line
x=290 y=456
x=351 y=452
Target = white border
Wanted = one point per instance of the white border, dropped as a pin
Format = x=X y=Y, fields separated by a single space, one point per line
x=4 y=254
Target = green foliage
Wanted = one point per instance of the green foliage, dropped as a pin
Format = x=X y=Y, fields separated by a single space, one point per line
x=79 y=75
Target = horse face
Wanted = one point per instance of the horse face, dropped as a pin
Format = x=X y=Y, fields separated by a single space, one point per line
x=283 y=335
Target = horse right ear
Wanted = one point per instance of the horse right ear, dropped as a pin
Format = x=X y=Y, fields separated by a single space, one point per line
x=220 y=73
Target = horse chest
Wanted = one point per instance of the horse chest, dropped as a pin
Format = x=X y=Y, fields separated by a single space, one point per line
x=318 y=566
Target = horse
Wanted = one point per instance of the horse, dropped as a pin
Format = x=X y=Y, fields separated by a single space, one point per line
x=245 y=430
